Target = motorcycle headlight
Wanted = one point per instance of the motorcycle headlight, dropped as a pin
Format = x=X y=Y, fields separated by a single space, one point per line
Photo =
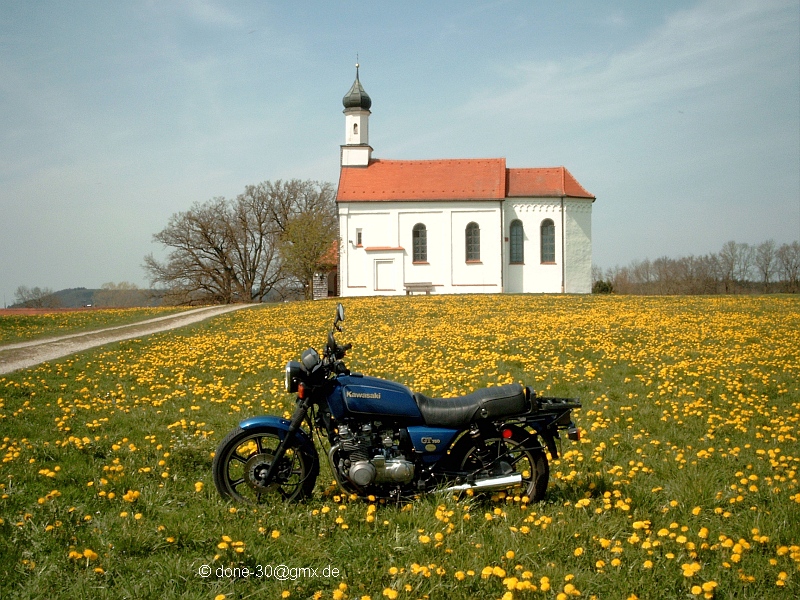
x=294 y=371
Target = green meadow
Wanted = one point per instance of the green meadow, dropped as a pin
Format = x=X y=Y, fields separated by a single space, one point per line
x=684 y=484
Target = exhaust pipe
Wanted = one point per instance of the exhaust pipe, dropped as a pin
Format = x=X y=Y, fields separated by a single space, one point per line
x=488 y=485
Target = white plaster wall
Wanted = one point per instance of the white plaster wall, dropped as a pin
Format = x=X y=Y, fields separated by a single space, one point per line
x=578 y=226
x=388 y=225
x=356 y=156
x=359 y=135
x=532 y=277
x=438 y=238
x=367 y=270
x=485 y=275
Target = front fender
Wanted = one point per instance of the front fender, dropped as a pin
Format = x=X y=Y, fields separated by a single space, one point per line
x=279 y=426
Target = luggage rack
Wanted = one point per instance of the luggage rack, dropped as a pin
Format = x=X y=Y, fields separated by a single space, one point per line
x=551 y=404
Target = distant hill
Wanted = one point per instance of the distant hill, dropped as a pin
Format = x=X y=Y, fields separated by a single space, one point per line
x=101 y=298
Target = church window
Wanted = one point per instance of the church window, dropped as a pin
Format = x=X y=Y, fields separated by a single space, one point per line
x=419 y=236
x=473 y=235
x=517 y=243
x=548 y=240
x=358 y=237
x=355 y=128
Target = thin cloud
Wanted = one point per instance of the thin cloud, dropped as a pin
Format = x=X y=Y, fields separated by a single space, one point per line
x=712 y=44
x=211 y=13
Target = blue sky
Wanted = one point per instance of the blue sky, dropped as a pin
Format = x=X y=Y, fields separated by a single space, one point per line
x=682 y=117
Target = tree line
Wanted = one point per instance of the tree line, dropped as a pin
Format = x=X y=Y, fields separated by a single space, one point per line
x=110 y=295
x=267 y=243
x=737 y=268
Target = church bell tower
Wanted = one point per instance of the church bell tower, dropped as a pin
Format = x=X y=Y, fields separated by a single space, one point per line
x=356 y=151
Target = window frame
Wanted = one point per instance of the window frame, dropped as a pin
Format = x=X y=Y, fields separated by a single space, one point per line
x=472 y=242
x=516 y=236
x=419 y=244
x=547 y=242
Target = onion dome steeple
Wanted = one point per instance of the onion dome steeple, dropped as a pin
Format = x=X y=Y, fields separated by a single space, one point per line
x=356 y=151
x=357 y=97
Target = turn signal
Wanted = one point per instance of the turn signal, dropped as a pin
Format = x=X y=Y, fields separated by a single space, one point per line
x=574 y=433
x=301 y=391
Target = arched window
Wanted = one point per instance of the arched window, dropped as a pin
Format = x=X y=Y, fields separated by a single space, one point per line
x=548 y=231
x=517 y=242
x=419 y=237
x=473 y=235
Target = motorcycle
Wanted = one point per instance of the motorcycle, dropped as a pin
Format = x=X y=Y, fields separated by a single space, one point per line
x=389 y=442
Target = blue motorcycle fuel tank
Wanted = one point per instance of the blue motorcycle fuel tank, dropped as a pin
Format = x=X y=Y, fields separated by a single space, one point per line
x=360 y=396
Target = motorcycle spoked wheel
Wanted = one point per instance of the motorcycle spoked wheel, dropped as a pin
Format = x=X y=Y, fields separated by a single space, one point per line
x=504 y=456
x=243 y=459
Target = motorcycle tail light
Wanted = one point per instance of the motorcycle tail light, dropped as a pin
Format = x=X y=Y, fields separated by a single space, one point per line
x=507 y=433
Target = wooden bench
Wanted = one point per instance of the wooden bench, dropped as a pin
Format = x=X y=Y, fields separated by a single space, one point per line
x=413 y=288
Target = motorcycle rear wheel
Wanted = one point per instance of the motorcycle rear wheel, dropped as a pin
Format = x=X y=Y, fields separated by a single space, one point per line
x=243 y=458
x=505 y=456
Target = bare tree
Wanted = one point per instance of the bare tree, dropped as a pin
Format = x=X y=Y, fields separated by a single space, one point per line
x=745 y=258
x=731 y=270
x=36 y=297
x=643 y=275
x=708 y=274
x=766 y=262
x=727 y=263
x=789 y=262
x=230 y=251
x=120 y=295
x=666 y=276
x=198 y=268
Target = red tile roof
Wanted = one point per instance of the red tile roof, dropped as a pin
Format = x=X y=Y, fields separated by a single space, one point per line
x=453 y=179
x=548 y=182
x=330 y=259
x=458 y=179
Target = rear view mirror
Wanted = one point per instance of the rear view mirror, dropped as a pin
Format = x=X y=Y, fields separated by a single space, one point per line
x=339 y=312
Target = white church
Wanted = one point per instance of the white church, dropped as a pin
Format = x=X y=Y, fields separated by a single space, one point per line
x=455 y=226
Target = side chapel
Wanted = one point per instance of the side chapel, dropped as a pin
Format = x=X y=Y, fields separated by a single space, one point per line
x=456 y=225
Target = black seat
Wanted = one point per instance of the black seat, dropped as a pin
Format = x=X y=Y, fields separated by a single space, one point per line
x=486 y=403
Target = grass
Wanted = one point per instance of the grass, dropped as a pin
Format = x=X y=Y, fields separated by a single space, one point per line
x=684 y=484
x=22 y=328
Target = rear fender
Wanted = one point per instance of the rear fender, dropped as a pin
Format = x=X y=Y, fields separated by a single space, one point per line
x=528 y=439
x=279 y=426
x=548 y=434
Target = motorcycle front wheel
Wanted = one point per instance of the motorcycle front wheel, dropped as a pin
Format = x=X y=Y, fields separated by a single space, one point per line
x=244 y=457
x=503 y=456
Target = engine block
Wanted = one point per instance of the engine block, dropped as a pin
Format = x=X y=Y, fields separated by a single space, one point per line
x=371 y=457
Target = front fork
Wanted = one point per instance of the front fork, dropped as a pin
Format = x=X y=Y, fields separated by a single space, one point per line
x=299 y=415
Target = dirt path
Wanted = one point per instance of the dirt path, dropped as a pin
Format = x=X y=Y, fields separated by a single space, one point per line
x=27 y=354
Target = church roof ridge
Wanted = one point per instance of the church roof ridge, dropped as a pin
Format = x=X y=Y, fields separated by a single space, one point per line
x=454 y=179
x=438 y=179
x=544 y=182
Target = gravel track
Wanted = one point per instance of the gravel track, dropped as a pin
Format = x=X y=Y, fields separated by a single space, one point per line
x=22 y=355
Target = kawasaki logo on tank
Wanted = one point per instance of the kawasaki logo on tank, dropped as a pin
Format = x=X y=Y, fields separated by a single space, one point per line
x=372 y=396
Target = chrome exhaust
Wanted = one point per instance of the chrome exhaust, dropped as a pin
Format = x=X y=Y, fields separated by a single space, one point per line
x=488 y=485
